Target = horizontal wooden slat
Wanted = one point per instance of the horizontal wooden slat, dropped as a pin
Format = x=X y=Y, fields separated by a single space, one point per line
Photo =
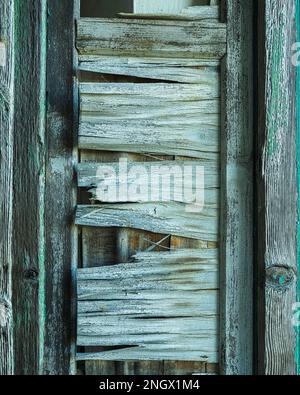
x=151 y=38
x=179 y=70
x=174 y=119
x=166 y=218
x=136 y=95
x=126 y=303
x=153 y=352
x=189 y=13
x=164 y=302
x=180 y=179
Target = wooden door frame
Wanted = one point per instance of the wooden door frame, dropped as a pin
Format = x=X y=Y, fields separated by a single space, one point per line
x=276 y=189
x=6 y=182
x=236 y=265
x=44 y=265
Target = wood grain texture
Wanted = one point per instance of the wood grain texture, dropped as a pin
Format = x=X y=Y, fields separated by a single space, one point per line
x=189 y=13
x=200 y=39
x=165 y=218
x=136 y=304
x=153 y=118
x=166 y=6
x=98 y=245
x=277 y=186
x=28 y=185
x=237 y=193
x=168 y=69
x=60 y=236
x=6 y=181
x=298 y=174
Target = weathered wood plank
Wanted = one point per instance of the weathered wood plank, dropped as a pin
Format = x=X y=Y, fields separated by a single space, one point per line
x=157 y=118
x=89 y=175
x=199 y=39
x=297 y=356
x=161 y=181
x=165 y=6
x=148 y=289
x=188 y=13
x=28 y=185
x=237 y=193
x=6 y=172
x=134 y=240
x=179 y=70
x=166 y=218
x=277 y=186
x=149 y=352
x=60 y=190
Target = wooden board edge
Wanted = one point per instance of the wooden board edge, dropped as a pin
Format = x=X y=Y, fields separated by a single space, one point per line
x=297 y=355
x=7 y=15
x=275 y=255
x=236 y=300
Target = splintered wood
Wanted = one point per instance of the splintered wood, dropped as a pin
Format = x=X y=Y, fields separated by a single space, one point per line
x=162 y=305
x=158 y=118
x=154 y=38
x=160 y=110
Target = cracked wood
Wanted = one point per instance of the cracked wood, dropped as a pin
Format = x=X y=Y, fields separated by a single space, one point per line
x=161 y=305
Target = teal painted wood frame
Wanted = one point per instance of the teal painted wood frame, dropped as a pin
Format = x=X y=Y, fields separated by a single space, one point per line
x=6 y=173
x=43 y=238
x=276 y=179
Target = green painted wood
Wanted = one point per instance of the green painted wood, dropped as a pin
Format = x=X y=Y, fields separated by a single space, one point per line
x=277 y=188
x=6 y=172
x=43 y=193
x=28 y=185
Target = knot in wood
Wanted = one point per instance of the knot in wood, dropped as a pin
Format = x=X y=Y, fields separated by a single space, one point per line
x=31 y=274
x=279 y=277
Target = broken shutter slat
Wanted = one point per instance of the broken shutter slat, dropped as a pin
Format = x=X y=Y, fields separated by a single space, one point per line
x=189 y=13
x=169 y=218
x=151 y=38
x=158 y=353
x=126 y=312
x=153 y=308
x=125 y=303
x=152 y=118
x=108 y=95
x=168 y=69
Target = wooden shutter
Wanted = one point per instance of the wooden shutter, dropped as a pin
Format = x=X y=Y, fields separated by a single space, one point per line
x=157 y=89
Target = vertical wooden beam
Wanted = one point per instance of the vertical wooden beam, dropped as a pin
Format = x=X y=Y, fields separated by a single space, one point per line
x=277 y=184
x=28 y=183
x=60 y=197
x=6 y=166
x=298 y=169
x=237 y=192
